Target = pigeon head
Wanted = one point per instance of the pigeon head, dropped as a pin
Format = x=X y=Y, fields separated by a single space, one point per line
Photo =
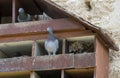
x=51 y=34
x=49 y=29
x=21 y=10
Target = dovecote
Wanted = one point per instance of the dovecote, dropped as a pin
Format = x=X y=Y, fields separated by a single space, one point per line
x=83 y=50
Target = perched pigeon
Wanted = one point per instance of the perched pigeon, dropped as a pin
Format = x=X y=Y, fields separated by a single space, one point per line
x=23 y=17
x=52 y=43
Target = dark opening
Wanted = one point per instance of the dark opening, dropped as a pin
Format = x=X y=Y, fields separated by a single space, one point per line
x=15 y=49
x=5 y=11
x=38 y=10
x=79 y=73
x=49 y=74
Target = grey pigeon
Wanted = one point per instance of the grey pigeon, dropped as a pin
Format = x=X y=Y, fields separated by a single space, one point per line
x=23 y=17
x=52 y=43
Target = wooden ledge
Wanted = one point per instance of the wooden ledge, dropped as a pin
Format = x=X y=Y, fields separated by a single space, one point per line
x=35 y=27
x=61 y=61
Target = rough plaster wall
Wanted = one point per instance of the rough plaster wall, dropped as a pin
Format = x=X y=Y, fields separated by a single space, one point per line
x=104 y=14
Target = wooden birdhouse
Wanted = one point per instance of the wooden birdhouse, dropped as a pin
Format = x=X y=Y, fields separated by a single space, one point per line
x=83 y=48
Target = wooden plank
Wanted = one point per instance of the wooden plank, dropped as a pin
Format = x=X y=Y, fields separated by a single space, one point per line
x=63 y=46
x=42 y=36
x=62 y=61
x=37 y=63
x=39 y=27
x=45 y=62
x=84 y=60
x=102 y=60
x=62 y=73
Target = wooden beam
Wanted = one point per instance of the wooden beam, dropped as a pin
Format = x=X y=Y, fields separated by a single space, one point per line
x=45 y=62
x=102 y=60
x=62 y=73
x=63 y=46
x=42 y=36
x=13 y=10
x=39 y=27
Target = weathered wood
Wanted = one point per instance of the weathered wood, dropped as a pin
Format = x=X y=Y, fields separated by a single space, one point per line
x=63 y=46
x=39 y=27
x=62 y=73
x=84 y=60
x=60 y=61
x=38 y=36
x=102 y=60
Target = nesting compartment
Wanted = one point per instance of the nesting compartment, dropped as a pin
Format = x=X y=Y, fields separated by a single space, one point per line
x=16 y=49
x=39 y=49
x=49 y=74
x=77 y=45
x=6 y=11
x=21 y=74
x=79 y=73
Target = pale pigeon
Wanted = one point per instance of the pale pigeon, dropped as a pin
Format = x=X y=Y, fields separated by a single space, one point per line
x=52 y=43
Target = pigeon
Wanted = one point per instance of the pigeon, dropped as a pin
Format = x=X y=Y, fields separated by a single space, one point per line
x=23 y=17
x=52 y=43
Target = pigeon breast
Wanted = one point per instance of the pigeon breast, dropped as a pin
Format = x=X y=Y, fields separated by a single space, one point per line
x=51 y=45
